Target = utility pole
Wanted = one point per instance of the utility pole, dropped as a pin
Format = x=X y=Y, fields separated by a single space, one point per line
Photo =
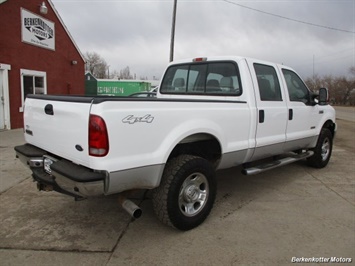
x=314 y=82
x=173 y=32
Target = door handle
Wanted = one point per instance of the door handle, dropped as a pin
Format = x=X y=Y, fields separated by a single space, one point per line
x=48 y=109
x=261 y=116
x=290 y=114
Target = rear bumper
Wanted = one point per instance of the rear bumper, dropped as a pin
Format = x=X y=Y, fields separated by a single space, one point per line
x=66 y=177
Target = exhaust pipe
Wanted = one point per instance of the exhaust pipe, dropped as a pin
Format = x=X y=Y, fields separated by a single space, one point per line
x=130 y=207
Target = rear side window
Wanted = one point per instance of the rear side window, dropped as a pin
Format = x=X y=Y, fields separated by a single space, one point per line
x=268 y=82
x=208 y=78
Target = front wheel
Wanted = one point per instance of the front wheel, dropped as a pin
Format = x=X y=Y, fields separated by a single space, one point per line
x=323 y=150
x=187 y=192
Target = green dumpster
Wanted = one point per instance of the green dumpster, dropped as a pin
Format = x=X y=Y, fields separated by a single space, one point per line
x=121 y=87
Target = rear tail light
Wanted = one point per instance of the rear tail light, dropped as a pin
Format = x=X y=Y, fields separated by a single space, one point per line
x=98 y=137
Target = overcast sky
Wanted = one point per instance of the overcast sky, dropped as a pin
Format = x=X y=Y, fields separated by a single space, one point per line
x=137 y=33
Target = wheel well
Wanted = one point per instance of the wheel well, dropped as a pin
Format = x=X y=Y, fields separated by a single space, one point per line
x=331 y=126
x=202 y=145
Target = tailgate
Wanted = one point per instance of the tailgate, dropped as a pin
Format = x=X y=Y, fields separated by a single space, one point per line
x=59 y=125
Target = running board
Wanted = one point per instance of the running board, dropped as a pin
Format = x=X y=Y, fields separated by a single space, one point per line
x=268 y=166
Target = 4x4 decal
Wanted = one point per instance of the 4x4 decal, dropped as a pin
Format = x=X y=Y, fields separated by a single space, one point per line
x=131 y=119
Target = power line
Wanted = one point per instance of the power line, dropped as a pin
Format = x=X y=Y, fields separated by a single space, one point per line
x=287 y=18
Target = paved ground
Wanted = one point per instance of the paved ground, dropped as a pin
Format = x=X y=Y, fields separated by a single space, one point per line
x=345 y=113
x=267 y=219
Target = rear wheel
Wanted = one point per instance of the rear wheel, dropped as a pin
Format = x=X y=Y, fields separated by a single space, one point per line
x=323 y=150
x=187 y=192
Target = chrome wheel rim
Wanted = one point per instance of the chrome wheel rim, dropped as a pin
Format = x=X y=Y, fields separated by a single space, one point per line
x=193 y=194
x=325 y=149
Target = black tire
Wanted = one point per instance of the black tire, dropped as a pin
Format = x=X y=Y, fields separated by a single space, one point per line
x=186 y=193
x=323 y=150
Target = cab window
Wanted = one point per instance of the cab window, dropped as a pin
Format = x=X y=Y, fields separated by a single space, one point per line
x=206 y=78
x=268 y=83
x=297 y=90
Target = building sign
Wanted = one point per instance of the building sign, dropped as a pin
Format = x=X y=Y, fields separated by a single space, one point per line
x=37 y=30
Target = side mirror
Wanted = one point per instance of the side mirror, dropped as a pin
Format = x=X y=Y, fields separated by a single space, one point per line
x=323 y=96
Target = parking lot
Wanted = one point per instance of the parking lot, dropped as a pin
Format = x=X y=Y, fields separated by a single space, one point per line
x=273 y=218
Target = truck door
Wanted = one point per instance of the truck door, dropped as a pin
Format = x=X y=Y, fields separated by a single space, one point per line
x=271 y=108
x=303 y=115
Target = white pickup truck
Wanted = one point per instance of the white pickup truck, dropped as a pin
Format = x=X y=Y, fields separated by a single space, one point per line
x=210 y=113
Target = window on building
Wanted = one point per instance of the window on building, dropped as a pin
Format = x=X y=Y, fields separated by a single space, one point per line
x=268 y=82
x=32 y=82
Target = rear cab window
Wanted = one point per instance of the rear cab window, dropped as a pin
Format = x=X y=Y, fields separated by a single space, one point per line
x=203 y=78
x=268 y=83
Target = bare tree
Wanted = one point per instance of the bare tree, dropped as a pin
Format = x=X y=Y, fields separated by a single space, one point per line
x=341 y=89
x=114 y=74
x=352 y=71
x=352 y=86
x=96 y=64
x=125 y=73
x=314 y=83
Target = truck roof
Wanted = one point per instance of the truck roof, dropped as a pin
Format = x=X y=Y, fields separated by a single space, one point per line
x=220 y=58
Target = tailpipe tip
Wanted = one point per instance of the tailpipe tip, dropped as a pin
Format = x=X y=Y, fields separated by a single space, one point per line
x=130 y=207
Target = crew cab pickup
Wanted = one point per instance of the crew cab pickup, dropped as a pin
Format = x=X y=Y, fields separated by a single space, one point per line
x=209 y=114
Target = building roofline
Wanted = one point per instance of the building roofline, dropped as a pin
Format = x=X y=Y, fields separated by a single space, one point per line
x=66 y=29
